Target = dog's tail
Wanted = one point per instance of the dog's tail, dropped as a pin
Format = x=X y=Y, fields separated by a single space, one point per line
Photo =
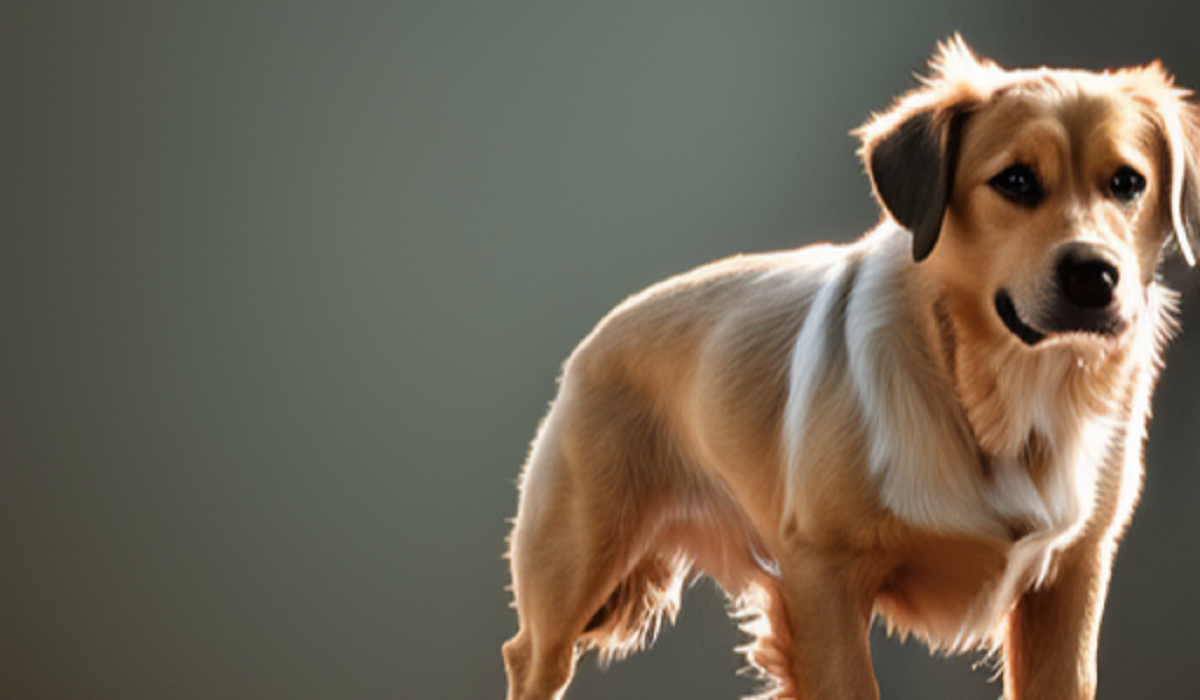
x=633 y=614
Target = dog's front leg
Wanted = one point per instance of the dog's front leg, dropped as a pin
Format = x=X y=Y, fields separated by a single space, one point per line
x=829 y=615
x=1050 y=648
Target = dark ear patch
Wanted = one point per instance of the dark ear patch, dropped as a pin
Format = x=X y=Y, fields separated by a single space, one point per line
x=913 y=173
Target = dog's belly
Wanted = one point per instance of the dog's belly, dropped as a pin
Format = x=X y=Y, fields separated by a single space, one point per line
x=946 y=589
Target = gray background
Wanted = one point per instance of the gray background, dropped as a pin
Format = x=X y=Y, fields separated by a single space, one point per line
x=284 y=288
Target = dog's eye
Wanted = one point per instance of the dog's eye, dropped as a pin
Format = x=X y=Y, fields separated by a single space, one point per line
x=1126 y=184
x=1018 y=183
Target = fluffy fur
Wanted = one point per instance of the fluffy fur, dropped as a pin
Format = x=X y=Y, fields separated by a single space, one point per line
x=940 y=424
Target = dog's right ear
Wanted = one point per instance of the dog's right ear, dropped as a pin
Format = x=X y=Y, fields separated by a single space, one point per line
x=911 y=167
x=910 y=151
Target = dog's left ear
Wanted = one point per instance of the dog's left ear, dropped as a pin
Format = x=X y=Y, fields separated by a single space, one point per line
x=1183 y=139
x=1178 y=120
x=1186 y=213
x=911 y=164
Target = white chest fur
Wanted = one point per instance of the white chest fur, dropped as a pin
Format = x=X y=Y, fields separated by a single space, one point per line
x=923 y=453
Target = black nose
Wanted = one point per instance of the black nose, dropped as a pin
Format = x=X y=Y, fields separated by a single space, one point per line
x=1086 y=278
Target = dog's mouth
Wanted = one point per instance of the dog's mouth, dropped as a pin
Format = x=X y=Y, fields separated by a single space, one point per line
x=1012 y=320
x=1063 y=320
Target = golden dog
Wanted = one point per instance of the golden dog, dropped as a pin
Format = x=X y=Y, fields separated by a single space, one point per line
x=940 y=424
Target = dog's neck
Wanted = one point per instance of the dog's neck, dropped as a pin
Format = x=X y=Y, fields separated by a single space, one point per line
x=1021 y=402
x=1041 y=418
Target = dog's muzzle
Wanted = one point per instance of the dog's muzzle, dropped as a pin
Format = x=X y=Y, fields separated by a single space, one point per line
x=1084 y=299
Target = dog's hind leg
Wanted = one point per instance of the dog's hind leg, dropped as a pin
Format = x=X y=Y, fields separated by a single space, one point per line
x=558 y=582
x=540 y=659
x=586 y=572
x=572 y=542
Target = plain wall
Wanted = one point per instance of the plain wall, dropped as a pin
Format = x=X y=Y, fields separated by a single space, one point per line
x=285 y=287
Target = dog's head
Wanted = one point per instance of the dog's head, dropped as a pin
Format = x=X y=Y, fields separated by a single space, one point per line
x=1046 y=195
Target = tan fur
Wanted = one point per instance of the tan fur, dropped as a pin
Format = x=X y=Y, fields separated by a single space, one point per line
x=838 y=432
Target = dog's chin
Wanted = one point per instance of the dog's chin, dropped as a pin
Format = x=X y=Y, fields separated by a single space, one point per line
x=1088 y=328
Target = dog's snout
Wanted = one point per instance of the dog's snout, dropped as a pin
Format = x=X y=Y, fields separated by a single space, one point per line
x=1085 y=300
x=1087 y=278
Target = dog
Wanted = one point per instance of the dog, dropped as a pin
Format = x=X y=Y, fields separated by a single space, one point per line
x=940 y=424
